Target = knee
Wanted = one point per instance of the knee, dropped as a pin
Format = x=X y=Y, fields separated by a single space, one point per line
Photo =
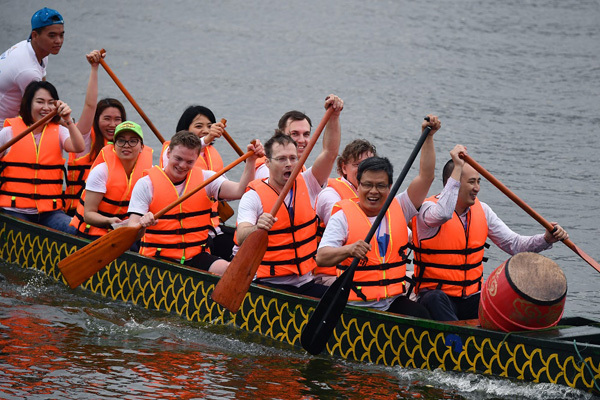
x=431 y=298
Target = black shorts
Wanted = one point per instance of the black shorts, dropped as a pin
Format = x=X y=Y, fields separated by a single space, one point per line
x=202 y=261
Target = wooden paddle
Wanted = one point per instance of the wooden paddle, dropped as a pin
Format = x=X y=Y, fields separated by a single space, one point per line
x=33 y=127
x=130 y=98
x=85 y=262
x=324 y=319
x=527 y=209
x=234 y=284
x=230 y=139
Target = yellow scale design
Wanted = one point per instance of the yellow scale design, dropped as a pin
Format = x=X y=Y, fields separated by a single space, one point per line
x=374 y=340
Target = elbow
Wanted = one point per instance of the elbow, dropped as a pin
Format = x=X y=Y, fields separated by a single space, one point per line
x=322 y=259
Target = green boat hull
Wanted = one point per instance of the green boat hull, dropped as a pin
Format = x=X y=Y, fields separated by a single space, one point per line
x=567 y=355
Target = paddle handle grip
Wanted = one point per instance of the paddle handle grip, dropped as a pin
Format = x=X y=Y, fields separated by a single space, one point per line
x=298 y=167
x=130 y=98
x=33 y=127
x=199 y=187
x=230 y=139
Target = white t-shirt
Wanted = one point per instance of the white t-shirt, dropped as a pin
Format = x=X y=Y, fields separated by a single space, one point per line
x=326 y=200
x=250 y=209
x=143 y=191
x=261 y=172
x=87 y=140
x=6 y=134
x=96 y=181
x=336 y=235
x=18 y=67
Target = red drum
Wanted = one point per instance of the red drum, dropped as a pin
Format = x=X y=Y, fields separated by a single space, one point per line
x=527 y=292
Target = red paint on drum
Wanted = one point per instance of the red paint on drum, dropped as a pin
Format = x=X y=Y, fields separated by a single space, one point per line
x=526 y=292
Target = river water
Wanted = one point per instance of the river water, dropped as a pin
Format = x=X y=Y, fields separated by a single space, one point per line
x=518 y=82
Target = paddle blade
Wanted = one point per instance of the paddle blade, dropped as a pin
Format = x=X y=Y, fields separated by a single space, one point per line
x=85 y=262
x=323 y=320
x=582 y=254
x=234 y=284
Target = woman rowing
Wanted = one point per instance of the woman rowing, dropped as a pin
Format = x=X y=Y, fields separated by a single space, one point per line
x=32 y=169
x=115 y=172
x=102 y=118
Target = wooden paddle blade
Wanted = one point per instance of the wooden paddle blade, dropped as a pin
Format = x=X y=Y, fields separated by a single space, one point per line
x=324 y=319
x=225 y=211
x=85 y=262
x=234 y=284
x=582 y=254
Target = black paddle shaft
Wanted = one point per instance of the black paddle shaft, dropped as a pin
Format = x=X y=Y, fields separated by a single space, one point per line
x=324 y=319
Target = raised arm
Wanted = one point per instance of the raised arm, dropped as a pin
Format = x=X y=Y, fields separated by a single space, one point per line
x=75 y=143
x=419 y=187
x=231 y=190
x=91 y=96
x=322 y=166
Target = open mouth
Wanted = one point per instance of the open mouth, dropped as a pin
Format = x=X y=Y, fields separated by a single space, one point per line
x=287 y=174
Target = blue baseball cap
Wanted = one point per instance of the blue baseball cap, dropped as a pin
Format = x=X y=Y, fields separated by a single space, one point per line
x=45 y=17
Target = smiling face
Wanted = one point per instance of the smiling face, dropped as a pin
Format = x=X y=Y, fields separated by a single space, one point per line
x=181 y=161
x=350 y=168
x=128 y=152
x=42 y=104
x=283 y=160
x=373 y=190
x=200 y=125
x=469 y=188
x=108 y=121
x=300 y=132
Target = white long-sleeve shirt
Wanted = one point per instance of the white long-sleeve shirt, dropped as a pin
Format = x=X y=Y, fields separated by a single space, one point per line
x=433 y=215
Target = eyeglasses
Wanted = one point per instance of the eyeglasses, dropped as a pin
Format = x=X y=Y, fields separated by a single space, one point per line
x=282 y=160
x=380 y=186
x=131 y=142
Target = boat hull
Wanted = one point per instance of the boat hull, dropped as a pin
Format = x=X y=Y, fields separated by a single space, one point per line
x=566 y=355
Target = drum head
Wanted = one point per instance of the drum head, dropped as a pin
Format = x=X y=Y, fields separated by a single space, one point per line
x=537 y=278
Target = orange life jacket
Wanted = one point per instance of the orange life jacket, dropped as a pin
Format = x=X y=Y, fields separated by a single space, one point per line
x=292 y=239
x=379 y=277
x=181 y=233
x=78 y=169
x=452 y=259
x=32 y=175
x=346 y=191
x=118 y=189
x=210 y=160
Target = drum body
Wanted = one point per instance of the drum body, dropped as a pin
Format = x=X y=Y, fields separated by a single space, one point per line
x=526 y=292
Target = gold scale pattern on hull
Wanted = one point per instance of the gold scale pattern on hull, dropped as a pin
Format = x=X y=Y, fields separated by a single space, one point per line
x=361 y=335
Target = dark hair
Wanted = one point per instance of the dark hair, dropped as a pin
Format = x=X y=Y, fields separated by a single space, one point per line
x=376 y=164
x=280 y=138
x=186 y=139
x=292 y=116
x=99 y=138
x=190 y=113
x=29 y=94
x=447 y=171
x=353 y=151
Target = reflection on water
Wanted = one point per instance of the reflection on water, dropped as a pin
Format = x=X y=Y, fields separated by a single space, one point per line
x=58 y=343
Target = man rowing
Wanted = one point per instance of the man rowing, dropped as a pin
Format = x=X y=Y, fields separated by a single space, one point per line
x=289 y=259
x=181 y=235
x=449 y=236
x=379 y=280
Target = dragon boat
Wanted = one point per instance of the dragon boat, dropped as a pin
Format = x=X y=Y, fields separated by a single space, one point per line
x=568 y=354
